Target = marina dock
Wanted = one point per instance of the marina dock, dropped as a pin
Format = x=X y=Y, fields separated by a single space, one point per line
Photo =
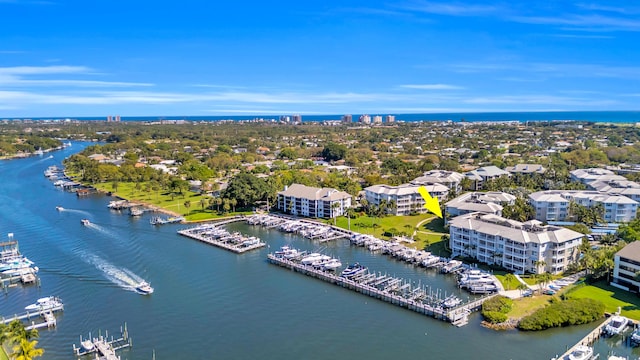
x=45 y=318
x=216 y=236
x=102 y=347
x=392 y=290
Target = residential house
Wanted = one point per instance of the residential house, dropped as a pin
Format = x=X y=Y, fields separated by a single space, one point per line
x=526 y=169
x=587 y=176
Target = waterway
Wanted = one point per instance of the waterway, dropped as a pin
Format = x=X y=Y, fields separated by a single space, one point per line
x=209 y=303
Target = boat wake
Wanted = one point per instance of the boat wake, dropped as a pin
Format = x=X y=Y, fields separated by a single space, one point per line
x=122 y=277
x=101 y=229
x=77 y=211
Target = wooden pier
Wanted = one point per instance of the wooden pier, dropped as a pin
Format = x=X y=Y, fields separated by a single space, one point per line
x=457 y=315
x=46 y=318
x=588 y=340
x=222 y=242
x=102 y=347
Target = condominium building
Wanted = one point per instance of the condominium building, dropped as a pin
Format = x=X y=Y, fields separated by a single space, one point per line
x=390 y=118
x=526 y=169
x=626 y=267
x=587 y=176
x=450 y=179
x=516 y=246
x=480 y=175
x=554 y=205
x=490 y=202
x=313 y=202
x=404 y=198
x=630 y=189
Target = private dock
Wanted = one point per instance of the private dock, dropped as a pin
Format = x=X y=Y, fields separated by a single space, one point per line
x=216 y=236
x=309 y=229
x=46 y=319
x=392 y=290
x=102 y=347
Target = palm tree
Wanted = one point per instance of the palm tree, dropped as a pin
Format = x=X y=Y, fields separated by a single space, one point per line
x=334 y=207
x=349 y=213
x=203 y=202
x=233 y=203
x=26 y=350
x=538 y=264
x=509 y=279
x=218 y=203
x=187 y=204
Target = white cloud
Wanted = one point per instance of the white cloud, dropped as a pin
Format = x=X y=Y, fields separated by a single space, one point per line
x=452 y=9
x=38 y=70
x=432 y=87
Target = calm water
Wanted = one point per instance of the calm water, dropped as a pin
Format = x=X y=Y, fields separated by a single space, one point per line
x=209 y=303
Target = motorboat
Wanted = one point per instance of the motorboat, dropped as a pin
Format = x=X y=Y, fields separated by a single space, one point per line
x=353 y=270
x=616 y=325
x=45 y=303
x=451 y=301
x=581 y=352
x=635 y=337
x=311 y=258
x=87 y=345
x=616 y=357
x=144 y=288
x=85 y=222
x=252 y=240
x=59 y=208
x=332 y=265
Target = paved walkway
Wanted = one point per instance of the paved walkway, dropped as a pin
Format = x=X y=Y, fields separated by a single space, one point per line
x=420 y=224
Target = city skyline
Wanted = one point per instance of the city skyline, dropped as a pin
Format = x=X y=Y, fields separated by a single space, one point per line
x=71 y=58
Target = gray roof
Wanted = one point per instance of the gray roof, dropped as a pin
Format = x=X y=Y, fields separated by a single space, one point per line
x=495 y=197
x=567 y=195
x=439 y=176
x=486 y=171
x=526 y=168
x=631 y=251
x=514 y=230
x=313 y=193
x=405 y=189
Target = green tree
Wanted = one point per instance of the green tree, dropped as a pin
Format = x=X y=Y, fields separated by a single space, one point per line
x=334 y=151
x=187 y=205
x=26 y=350
x=246 y=189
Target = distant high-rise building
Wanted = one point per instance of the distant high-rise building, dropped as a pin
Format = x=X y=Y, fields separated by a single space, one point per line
x=377 y=119
x=117 y=118
x=390 y=118
x=285 y=118
x=109 y=118
x=347 y=118
x=296 y=118
x=365 y=119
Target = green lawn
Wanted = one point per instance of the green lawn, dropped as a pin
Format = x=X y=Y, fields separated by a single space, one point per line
x=525 y=306
x=612 y=297
x=3 y=354
x=165 y=200
x=399 y=225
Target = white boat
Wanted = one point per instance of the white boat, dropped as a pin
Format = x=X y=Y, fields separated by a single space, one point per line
x=309 y=259
x=635 y=337
x=616 y=357
x=451 y=301
x=616 y=325
x=59 y=208
x=87 y=345
x=353 y=270
x=85 y=222
x=581 y=352
x=144 y=288
x=332 y=265
x=45 y=303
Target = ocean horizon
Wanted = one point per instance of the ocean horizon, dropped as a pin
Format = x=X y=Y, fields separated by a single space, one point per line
x=590 y=116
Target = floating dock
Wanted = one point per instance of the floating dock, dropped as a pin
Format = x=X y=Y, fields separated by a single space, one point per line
x=213 y=235
x=366 y=285
x=103 y=347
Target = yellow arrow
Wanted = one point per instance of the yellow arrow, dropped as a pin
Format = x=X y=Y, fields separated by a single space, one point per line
x=430 y=203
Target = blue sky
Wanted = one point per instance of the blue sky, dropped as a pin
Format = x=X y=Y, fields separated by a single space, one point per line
x=135 y=58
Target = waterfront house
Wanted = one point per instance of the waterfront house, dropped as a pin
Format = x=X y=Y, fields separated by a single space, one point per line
x=403 y=199
x=308 y=201
x=626 y=267
x=516 y=246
